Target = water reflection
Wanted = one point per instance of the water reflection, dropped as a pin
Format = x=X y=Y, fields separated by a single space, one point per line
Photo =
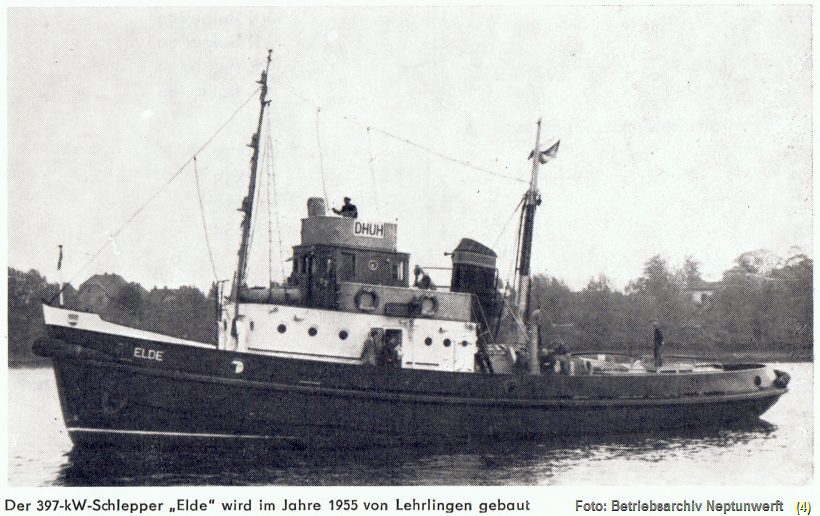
x=558 y=460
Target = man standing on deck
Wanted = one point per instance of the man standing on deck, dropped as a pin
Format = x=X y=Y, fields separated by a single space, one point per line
x=369 y=352
x=658 y=344
x=422 y=279
x=348 y=209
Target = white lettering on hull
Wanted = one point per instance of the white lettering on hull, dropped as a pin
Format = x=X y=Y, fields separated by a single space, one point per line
x=148 y=354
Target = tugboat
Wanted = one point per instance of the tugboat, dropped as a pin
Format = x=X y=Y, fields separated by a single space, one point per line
x=348 y=353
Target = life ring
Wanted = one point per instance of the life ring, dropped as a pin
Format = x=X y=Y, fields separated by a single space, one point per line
x=366 y=300
x=428 y=305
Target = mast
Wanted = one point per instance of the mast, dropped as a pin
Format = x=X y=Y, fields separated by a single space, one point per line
x=531 y=201
x=247 y=203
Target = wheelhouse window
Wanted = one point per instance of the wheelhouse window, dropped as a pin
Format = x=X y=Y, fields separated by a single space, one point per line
x=347 y=270
x=398 y=270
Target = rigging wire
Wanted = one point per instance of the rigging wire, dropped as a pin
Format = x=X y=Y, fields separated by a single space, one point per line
x=516 y=274
x=355 y=120
x=519 y=238
x=321 y=160
x=504 y=227
x=461 y=162
x=255 y=211
x=272 y=189
x=373 y=173
x=278 y=223
x=204 y=224
x=153 y=196
x=268 y=168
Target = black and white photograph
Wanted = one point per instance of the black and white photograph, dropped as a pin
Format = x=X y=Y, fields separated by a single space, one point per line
x=410 y=246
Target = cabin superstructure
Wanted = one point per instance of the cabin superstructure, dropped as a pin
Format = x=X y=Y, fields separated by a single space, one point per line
x=336 y=249
x=349 y=284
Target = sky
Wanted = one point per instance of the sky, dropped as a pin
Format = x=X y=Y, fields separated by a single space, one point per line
x=684 y=131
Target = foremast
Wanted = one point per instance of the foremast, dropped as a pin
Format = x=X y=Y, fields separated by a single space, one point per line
x=247 y=202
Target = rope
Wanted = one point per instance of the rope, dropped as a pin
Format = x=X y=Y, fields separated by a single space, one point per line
x=321 y=160
x=373 y=172
x=355 y=120
x=504 y=228
x=448 y=158
x=517 y=271
x=278 y=223
x=204 y=224
x=153 y=196
x=255 y=211
x=272 y=186
x=268 y=169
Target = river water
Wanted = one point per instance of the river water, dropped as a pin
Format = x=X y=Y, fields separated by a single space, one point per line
x=41 y=454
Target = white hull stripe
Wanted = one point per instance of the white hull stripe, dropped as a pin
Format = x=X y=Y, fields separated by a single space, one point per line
x=92 y=322
x=307 y=356
x=170 y=434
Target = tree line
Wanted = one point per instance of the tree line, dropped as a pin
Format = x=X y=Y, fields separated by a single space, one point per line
x=760 y=309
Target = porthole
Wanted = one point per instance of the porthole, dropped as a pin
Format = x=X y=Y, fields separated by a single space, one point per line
x=758 y=381
x=465 y=343
x=343 y=334
x=373 y=265
x=447 y=343
x=251 y=325
x=312 y=331
x=428 y=341
x=281 y=328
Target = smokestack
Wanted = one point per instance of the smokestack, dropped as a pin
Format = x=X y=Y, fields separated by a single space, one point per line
x=316 y=207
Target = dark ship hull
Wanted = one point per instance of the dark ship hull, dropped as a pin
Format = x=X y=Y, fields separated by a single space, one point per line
x=121 y=390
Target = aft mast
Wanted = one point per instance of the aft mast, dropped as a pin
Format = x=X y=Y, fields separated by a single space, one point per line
x=247 y=203
x=532 y=199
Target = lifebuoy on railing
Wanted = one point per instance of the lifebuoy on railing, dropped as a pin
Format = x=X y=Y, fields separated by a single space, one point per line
x=366 y=300
x=428 y=305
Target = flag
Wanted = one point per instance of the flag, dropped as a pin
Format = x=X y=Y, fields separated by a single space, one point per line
x=60 y=258
x=546 y=155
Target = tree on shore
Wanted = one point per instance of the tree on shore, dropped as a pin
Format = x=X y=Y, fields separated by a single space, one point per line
x=763 y=305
